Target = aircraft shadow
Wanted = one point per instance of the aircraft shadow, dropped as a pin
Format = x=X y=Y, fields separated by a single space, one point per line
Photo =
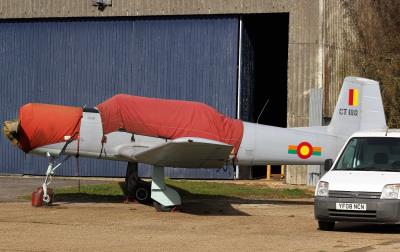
x=196 y=204
x=87 y=198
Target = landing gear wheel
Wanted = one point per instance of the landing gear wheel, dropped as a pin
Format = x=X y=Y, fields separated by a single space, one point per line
x=49 y=200
x=162 y=208
x=142 y=192
x=326 y=225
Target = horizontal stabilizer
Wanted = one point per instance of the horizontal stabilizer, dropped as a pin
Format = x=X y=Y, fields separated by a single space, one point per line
x=187 y=153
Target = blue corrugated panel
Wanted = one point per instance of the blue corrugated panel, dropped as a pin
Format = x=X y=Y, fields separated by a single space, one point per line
x=78 y=62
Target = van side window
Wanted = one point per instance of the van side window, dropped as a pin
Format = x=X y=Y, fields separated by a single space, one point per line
x=348 y=159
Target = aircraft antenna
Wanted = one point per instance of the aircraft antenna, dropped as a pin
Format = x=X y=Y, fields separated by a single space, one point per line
x=265 y=105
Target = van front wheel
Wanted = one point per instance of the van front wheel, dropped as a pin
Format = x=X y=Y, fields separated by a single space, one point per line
x=326 y=225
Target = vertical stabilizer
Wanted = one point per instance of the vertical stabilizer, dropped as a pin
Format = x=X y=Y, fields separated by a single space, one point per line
x=359 y=107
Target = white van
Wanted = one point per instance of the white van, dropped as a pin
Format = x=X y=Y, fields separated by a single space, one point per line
x=363 y=184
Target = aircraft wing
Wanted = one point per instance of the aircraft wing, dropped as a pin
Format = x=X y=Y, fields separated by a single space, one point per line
x=187 y=153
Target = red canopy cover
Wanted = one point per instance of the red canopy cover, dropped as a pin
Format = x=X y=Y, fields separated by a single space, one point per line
x=168 y=119
x=43 y=124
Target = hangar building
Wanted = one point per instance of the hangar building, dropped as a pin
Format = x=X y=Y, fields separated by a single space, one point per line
x=233 y=55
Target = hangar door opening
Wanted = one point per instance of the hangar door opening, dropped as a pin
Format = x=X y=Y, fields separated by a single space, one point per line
x=263 y=73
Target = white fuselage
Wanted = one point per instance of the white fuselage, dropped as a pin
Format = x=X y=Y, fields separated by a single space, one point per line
x=260 y=145
x=264 y=144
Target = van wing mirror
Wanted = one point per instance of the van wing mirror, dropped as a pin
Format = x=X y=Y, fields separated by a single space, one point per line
x=328 y=164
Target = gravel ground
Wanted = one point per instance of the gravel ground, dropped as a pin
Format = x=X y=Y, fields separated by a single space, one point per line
x=203 y=225
x=11 y=187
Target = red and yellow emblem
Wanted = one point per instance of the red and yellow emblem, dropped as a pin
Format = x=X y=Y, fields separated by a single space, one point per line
x=304 y=150
x=353 y=97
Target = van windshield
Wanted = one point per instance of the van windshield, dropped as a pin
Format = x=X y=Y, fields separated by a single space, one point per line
x=371 y=154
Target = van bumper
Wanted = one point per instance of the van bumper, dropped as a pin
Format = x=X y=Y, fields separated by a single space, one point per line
x=378 y=210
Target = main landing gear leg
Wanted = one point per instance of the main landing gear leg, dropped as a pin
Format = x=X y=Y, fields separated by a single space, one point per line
x=165 y=198
x=135 y=187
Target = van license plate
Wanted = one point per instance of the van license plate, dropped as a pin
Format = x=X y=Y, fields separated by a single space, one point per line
x=351 y=206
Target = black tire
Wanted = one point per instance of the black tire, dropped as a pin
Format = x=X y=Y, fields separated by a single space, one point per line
x=162 y=208
x=50 y=203
x=326 y=225
x=142 y=192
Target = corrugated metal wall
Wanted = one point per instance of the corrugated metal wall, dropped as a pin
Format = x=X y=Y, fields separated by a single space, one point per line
x=341 y=50
x=303 y=62
x=84 y=8
x=78 y=62
x=315 y=104
x=247 y=76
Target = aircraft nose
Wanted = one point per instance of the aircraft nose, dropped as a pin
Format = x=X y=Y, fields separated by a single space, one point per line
x=11 y=130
